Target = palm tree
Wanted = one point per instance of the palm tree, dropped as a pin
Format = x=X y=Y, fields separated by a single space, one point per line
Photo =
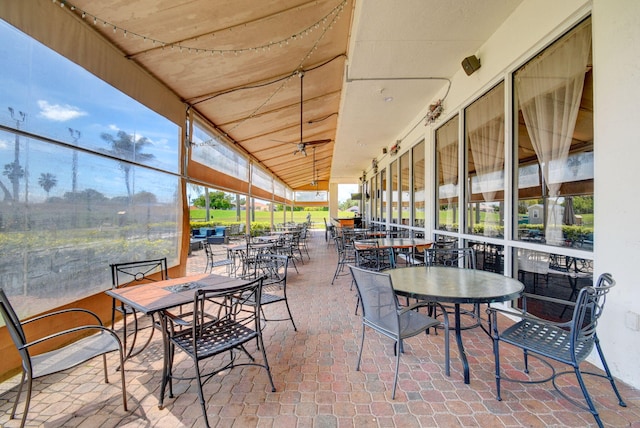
x=125 y=147
x=14 y=173
x=47 y=181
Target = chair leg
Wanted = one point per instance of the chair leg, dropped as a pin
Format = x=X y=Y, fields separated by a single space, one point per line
x=18 y=394
x=361 y=348
x=27 y=400
x=496 y=358
x=335 y=275
x=201 y=395
x=266 y=363
x=587 y=397
x=395 y=378
x=286 y=302
x=621 y=402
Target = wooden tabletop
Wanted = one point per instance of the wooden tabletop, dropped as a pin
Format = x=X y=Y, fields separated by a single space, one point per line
x=156 y=296
x=396 y=242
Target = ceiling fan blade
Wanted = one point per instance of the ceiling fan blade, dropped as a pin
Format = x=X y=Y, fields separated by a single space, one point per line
x=317 y=142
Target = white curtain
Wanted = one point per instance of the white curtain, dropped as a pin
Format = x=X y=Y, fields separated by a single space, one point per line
x=448 y=157
x=485 y=130
x=549 y=91
x=447 y=146
x=485 y=125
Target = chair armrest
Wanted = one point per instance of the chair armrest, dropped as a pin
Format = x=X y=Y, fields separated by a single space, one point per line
x=71 y=331
x=177 y=320
x=547 y=299
x=522 y=315
x=62 y=312
x=417 y=305
x=426 y=304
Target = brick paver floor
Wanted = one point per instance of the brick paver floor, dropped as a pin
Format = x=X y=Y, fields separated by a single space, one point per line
x=316 y=380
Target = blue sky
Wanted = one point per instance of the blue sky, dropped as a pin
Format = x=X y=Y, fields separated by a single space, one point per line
x=56 y=94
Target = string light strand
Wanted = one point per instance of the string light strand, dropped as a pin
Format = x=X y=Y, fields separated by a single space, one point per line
x=86 y=15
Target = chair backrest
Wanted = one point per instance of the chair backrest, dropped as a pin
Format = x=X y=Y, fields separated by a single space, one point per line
x=208 y=251
x=369 y=255
x=379 y=300
x=589 y=307
x=14 y=326
x=451 y=257
x=273 y=268
x=143 y=271
x=237 y=306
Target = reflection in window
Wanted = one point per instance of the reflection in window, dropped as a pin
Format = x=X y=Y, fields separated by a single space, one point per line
x=79 y=110
x=489 y=257
x=552 y=275
x=485 y=164
x=71 y=207
x=57 y=241
x=447 y=173
x=554 y=98
x=418 y=185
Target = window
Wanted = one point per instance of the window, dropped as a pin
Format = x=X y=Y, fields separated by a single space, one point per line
x=383 y=195
x=484 y=131
x=554 y=140
x=395 y=197
x=552 y=275
x=94 y=184
x=447 y=175
x=208 y=149
x=261 y=179
x=418 y=185
x=405 y=187
x=311 y=196
x=374 y=198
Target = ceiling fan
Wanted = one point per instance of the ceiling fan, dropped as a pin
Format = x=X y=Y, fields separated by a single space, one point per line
x=302 y=145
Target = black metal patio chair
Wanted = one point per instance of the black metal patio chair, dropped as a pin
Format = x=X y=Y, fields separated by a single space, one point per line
x=273 y=269
x=568 y=342
x=215 y=262
x=129 y=274
x=237 y=323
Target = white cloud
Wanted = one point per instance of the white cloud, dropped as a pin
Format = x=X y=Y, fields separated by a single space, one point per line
x=59 y=113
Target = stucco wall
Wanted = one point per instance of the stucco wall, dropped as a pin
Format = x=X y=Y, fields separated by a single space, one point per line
x=616 y=35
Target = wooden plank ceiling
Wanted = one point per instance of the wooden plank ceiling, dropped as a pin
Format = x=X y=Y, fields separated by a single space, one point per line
x=241 y=64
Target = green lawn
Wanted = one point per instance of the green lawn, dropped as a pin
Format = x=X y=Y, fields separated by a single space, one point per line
x=317 y=217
